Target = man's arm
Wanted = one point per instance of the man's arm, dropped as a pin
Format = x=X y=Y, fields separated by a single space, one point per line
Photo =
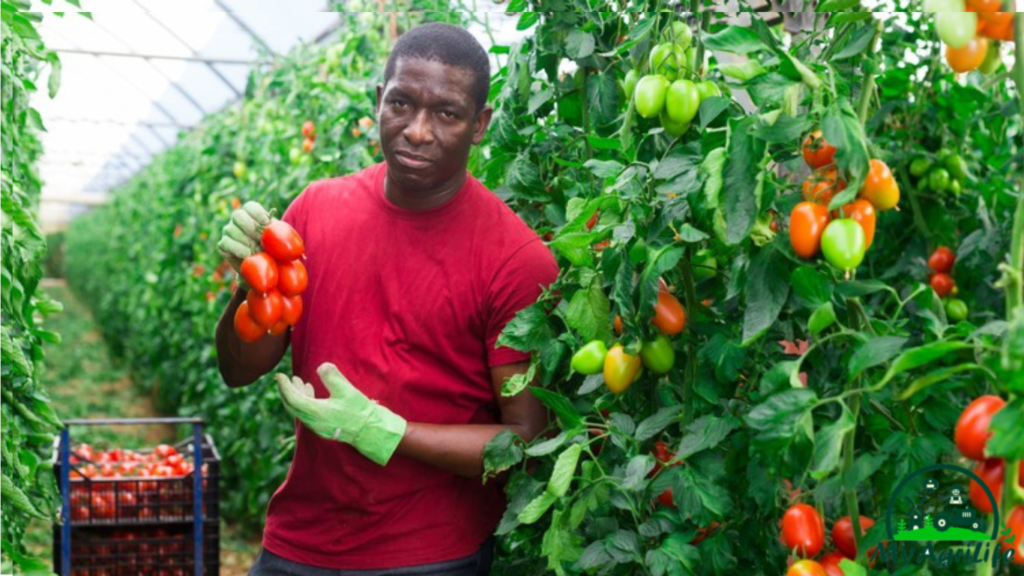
x=459 y=448
x=243 y=363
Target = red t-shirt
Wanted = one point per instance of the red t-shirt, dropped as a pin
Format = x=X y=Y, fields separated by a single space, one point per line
x=408 y=305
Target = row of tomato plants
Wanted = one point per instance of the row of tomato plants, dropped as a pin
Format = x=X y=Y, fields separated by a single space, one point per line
x=801 y=389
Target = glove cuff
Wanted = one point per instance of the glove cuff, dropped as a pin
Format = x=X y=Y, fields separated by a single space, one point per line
x=380 y=435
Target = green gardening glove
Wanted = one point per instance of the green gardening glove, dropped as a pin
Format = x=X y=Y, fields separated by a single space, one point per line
x=347 y=416
x=240 y=238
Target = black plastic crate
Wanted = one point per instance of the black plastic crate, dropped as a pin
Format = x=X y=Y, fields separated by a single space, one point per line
x=154 y=525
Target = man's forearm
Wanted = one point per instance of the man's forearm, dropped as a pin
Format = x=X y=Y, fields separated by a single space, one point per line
x=456 y=448
x=240 y=363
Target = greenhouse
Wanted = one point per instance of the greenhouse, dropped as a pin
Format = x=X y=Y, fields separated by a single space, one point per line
x=512 y=287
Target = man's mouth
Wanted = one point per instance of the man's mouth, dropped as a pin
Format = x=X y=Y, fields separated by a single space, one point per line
x=412 y=160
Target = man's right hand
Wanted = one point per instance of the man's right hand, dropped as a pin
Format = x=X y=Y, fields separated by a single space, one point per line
x=241 y=236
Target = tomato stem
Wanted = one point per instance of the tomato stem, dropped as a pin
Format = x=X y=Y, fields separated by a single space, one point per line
x=868 y=86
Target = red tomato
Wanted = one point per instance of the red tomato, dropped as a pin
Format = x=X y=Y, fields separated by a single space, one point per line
x=308 y=129
x=1016 y=525
x=175 y=460
x=803 y=530
x=942 y=259
x=991 y=473
x=278 y=328
x=260 y=271
x=669 y=316
x=248 y=330
x=266 y=309
x=817 y=152
x=807 y=222
x=593 y=220
x=107 y=470
x=942 y=283
x=80 y=513
x=864 y=213
x=282 y=242
x=842 y=535
x=291 y=310
x=307 y=144
x=291 y=278
x=972 y=431
x=101 y=506
x=822 y=185
x=164 y=450
x=830 y=562
x=806 y=568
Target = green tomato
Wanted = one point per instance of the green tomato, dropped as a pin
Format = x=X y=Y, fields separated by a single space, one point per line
x=679 y=34
x=673 y=128
x=691 y=58
x=944 y=6
x=240 y=169
x=843 y=243
x=992 y=59
x=708 y=89
x=919 y=167
x=629 y=84
x=956 y=166
x=955 y=187
x=668 y=60
x=956 y=29
x=956 y=309
x=658 y=355
x=938 y=179
x=650 y=95
x=943 y=154
x=682 y=101
x=705 y=265
x=590 y=358
x=295 y=156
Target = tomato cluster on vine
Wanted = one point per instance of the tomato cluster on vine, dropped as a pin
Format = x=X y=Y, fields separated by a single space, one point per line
x=803 y=533
x=277 y=279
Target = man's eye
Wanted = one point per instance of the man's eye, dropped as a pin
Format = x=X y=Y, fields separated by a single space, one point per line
x=398 y=103
x=448 y=114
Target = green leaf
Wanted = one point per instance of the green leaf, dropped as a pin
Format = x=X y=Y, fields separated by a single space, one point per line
x=516 y=6
x=874 y=352
x=837 y=5
x=934 y=377
x=588 y=312
x=858 y=42
x=603 y=168
x=502 y=452
x=53 y=84
x=14 y=496
x=528 y=331
x=811 y=286
x=822 y=317
x=565 y=469
x=577 y=248
x=840 y=18
x=704 y=433
x=560 y=543
x=781 y=417
x=548 y=446
x=567 y=414
x=742 y=71
x=538 y=98
x=743 y=178
x=769 y=90
x=679 y=160
x=858 y=288
x=636 y=472
x=655 y=423
x=843 y=130
x=1007 y=442
x=735 y=40
x=579 y=44
x=786 y=129
x=535 y=509
x=767 y=289
x=518 y=382
x=527 y=20
x=689 y=234
x=828 y=444
x=711 y=108
x=602 y=98
x=917 y=357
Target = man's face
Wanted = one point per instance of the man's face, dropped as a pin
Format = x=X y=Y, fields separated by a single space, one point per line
x=428 y=122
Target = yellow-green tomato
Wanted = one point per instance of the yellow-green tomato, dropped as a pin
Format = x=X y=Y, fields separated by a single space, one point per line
x=240 y=169
x=629 y=84
x=590 y=358
x=956 y=309
x=708 y=89
x=620 y=369
x=679 y=34
x=843 y=243
x=673 y=128
x=682 y=101
x=650 y=95
x=705 y=265
x=658 y=355
x=669 y=60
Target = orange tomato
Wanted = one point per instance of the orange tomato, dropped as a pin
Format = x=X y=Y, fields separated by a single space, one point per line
x=969 y=57
x=984 y=5
x=880 y=186
x=817 y=152
x=807 y=222
x=864 y=213
x=822 y=185
x=669 y=316
x=618 y=324
x=248 y=330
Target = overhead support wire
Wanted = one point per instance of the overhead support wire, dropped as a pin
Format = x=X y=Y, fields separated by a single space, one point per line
x=241 y=24
x=201 y=59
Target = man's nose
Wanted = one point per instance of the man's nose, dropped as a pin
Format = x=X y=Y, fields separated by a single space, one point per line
x=419 y=131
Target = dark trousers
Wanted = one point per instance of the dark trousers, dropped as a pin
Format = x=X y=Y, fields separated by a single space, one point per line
x=476 y=564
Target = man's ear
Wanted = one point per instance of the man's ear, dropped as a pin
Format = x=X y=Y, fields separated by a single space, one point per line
x=483 y=120
x=380 y=92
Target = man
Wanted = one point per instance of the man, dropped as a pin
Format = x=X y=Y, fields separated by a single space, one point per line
x=414 y=270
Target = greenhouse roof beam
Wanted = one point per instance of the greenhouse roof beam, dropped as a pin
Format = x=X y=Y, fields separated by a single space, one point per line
x=115 y=122
x=201 y=59
x=248 y=30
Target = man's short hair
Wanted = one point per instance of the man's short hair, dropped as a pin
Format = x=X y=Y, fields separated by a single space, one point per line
x=449 y=45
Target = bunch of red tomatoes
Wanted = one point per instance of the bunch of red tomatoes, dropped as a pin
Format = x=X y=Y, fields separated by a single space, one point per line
x=803 y=532
x=277 y=279
x=971 y=32
x=842 y=240
x=941 y=263
x=140 y=496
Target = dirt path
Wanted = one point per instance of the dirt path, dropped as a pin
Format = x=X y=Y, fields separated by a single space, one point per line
x=83 y=382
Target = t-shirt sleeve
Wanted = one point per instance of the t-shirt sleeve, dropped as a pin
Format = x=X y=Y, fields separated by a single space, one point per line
x=515 y=286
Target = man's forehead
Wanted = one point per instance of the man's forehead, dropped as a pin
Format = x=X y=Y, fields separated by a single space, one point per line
x=410 y=72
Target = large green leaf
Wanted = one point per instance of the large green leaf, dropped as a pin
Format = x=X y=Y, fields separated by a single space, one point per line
x=743 y=179
x=767 y=288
